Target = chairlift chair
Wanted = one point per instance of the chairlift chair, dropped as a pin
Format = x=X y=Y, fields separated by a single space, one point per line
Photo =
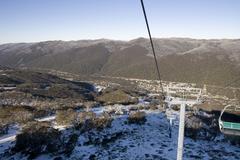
x=229 y=123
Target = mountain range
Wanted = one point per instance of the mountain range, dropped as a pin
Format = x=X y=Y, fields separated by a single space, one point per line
x=214 y=61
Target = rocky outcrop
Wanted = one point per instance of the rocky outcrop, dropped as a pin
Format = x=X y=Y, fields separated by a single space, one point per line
x=37 y=138
x=116 y=96
x=201 y=126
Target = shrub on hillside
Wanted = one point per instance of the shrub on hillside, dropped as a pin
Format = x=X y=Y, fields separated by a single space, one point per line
x=83 y=116
x=23 y=116
x=116 y=97
x=88 y=121
x=66 y=117
x=145 y=107
x=64 y=91
x=137 y=118
x=201 y=127
x=37 y=138
x=90 y=104
x=176 y=107
x=20 y=114
x=103 y=121
x=3 y=129
x=153 y=107
x=4 y=115
x=41 y=113
x=71 y=143
x=193 y=126
x=27 y=87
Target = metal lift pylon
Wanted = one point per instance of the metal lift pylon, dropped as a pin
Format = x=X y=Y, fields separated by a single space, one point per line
x=181 y=131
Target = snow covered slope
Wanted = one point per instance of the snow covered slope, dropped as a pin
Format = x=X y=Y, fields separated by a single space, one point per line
x=148 y=141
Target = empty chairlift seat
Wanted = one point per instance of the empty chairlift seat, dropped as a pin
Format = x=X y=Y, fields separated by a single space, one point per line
x=229 y=120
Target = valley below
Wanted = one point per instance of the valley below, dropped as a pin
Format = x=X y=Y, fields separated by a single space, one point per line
x=119 y=80
x=59 y=115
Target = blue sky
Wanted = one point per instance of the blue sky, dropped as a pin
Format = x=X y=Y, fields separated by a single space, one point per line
x=40 y=20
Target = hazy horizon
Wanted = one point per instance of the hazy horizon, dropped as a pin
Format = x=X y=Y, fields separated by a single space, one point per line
x=121 y=39
x=35 y=21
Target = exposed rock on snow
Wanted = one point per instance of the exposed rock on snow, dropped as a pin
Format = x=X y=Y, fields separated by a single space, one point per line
x=147 y=141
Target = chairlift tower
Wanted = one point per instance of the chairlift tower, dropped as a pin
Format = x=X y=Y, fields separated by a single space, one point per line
x=183 y=103
x=181 y=131
x=196 y=92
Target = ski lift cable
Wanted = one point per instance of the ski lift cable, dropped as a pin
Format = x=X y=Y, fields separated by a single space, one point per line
x=152 y=46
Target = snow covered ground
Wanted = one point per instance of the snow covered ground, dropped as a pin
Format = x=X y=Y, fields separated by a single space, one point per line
x=130 y=141
x=48 y=118
x=7 y=141
x=151 y=141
